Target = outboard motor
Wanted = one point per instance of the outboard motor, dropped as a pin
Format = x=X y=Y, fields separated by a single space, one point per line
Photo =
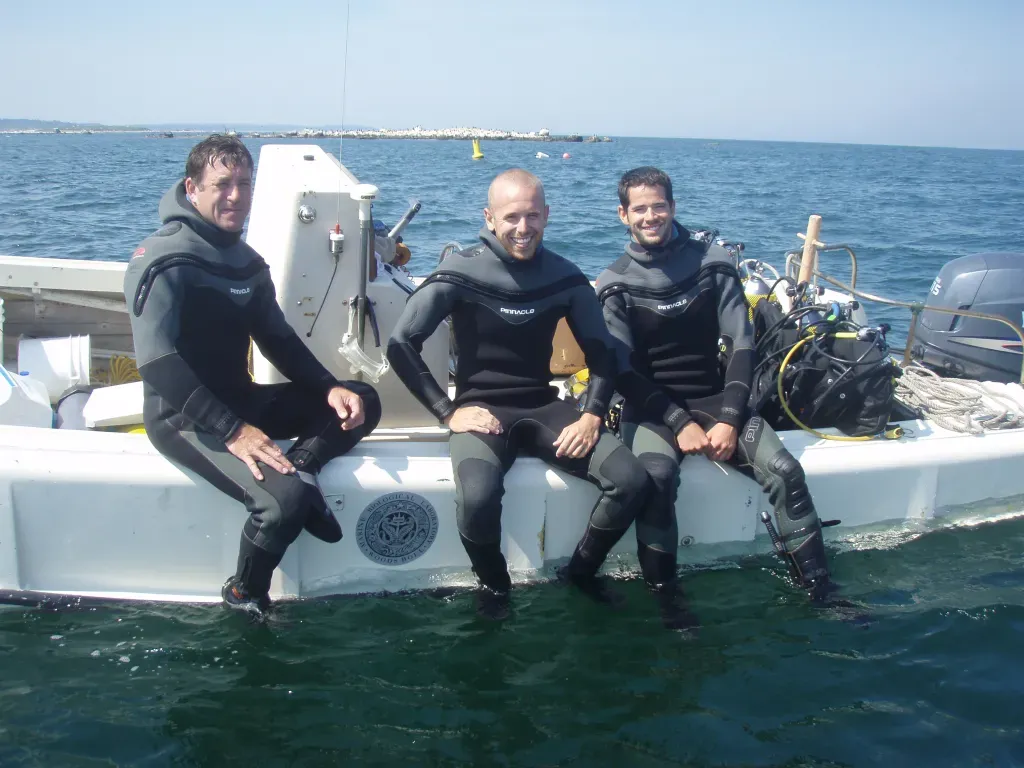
x=967 y=347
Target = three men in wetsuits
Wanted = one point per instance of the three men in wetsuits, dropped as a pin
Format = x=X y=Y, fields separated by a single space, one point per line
x=505 y=296
x=667 y=301
x=196 y=295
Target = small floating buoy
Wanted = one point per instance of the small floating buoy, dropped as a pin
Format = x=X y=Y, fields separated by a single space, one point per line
x=566 y=156
x=477 y=154
x=541 y=155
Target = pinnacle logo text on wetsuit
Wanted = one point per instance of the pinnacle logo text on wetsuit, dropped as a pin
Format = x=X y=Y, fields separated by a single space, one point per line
x=240 y=291
x=681 y=303
x=508 y=311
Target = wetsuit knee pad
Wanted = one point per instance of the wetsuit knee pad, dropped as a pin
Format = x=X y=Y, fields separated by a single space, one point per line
x=478 y=501
x=794 y=484
x=663 y=470
x=626 y=475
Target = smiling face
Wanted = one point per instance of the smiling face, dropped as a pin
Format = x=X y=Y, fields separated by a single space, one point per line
x=223 y=195
x=649 y=215
x=517 y=214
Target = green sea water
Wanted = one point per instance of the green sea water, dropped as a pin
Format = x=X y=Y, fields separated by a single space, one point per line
x=926 y=671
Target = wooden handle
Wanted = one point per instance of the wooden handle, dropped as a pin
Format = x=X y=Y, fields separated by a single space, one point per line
x=809 y=259
x=817 y=243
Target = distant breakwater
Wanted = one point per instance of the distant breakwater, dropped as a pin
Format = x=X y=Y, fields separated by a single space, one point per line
x=463 y=134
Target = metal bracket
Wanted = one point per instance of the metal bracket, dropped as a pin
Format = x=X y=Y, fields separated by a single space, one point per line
x=352 y=350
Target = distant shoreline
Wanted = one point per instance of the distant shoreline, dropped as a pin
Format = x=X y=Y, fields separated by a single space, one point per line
x=454 y=134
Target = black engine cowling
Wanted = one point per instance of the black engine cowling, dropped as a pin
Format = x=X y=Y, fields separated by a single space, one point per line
x=967 y=347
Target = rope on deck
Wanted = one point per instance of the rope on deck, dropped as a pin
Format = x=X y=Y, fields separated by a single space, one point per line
x=960 y=405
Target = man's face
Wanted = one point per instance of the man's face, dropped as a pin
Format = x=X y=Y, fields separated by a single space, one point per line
x=517 y=217
x=649 y=216
x=223 y=196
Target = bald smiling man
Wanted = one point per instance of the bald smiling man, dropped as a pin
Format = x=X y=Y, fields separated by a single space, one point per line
x=505 y=296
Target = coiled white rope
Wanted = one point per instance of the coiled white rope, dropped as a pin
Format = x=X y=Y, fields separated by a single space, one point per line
x=960 y=405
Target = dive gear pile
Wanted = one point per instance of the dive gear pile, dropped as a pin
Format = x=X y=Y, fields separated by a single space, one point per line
x=817 y=368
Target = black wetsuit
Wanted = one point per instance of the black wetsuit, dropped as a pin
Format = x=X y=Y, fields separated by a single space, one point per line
x=504 y=312
x=196 y=295
x=667 y=308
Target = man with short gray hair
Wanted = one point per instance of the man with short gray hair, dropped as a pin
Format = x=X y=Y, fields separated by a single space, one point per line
x=196 y=295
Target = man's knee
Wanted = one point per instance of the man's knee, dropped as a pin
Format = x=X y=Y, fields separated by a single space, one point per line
x=663 y=470
x=623 y=477
x=659 y=513
x=785 y=465
x=479 y=500
x=372 y=409
x=788 y=470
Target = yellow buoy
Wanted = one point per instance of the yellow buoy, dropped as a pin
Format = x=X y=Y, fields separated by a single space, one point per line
x=477 y=154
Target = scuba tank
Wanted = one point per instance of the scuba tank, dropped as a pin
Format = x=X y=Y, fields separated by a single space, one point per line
x=755 y=289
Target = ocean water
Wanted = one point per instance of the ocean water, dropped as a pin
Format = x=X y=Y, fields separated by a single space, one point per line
x=925 y=669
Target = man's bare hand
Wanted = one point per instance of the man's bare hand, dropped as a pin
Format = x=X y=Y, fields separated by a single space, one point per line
x=250 y=445
x=722 y=439
x=692 y=440
x=473 y=418
x=348 y=405
x=579 y=438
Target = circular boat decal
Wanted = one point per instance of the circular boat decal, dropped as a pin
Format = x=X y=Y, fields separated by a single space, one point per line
x=396 y=528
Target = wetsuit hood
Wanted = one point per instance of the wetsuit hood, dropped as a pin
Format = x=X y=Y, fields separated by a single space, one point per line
x=175 y=206
x=491 y=241
x=680 y=237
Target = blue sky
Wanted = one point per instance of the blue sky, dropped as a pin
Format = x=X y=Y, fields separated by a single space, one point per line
x=899 y=72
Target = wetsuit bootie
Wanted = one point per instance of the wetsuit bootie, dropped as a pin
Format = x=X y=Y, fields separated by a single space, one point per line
x=493 y=605
x=581 y=572
x=492 y=601
x=235 y=596
x=597 y=588
x=674 y=607
x=659 y=571
x=248 y=590
x=804 y=549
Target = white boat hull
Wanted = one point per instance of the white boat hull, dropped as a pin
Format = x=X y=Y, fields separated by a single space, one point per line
x=104 y=515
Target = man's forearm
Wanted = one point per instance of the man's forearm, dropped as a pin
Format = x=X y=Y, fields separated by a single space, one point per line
x=176 y=383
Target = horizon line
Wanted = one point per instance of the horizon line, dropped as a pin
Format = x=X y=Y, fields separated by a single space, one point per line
x=200 y=126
